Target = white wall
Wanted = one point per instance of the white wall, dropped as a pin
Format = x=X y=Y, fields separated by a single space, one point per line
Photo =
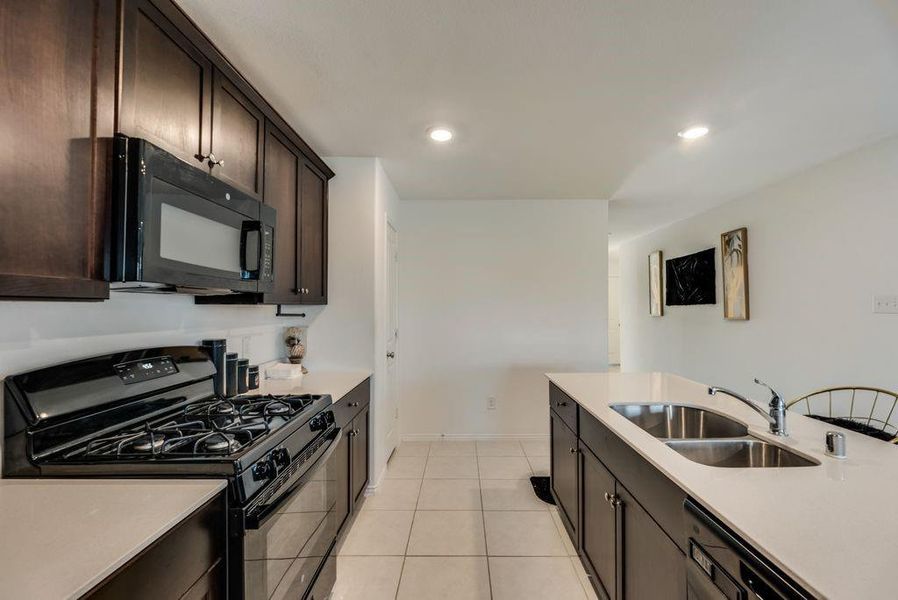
x=613 y=306
x=821 y=244
x=492 y=295
x=35 y=334
x=341 y=335
x=348 y=334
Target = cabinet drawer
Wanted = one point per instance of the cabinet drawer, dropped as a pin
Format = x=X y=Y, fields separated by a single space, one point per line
x=564 y=406
x=657 y=494
x=352 y=403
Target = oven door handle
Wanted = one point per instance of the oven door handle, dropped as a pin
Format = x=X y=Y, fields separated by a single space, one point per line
x=257 y=515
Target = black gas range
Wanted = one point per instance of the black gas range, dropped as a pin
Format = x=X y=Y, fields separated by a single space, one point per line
x=153 y=413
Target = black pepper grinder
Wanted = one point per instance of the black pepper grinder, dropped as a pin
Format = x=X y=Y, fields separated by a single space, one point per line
x=231 y=388
x=242 y=375
x=216 y=350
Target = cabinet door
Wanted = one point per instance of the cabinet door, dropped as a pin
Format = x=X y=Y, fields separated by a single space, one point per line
x=312 y=240
x=208 y=587
x=564 y=473
x=598 y=532
x=237 y=130
x=57 y=113
x=341 y=458
x=166 y=95
x=652 y=565
x=282 y=164
x=359 y=455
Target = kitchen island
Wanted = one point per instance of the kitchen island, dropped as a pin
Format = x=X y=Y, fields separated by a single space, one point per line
x=828 y=526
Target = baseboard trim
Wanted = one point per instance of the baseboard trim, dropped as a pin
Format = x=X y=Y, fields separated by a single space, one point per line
x=473 y=437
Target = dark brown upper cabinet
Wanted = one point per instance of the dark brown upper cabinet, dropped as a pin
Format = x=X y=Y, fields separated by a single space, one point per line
x=282 y=167
x=237 y=135
x=312 y=236
x=298 y=191
x=85 y=70
x=57 y=109
x=166 y=91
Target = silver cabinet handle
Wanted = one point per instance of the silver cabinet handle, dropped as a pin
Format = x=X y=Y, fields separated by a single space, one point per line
x=607 y=497
x=391 y=355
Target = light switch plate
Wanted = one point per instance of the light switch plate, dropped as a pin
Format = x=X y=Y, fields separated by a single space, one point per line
x=885 y=305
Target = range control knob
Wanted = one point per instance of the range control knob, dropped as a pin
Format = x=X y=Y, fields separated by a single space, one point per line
x=322 y=421
x=264 y=469
x=281 y=458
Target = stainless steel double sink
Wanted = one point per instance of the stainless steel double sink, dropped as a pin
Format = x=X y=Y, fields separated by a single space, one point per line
x=709 y=438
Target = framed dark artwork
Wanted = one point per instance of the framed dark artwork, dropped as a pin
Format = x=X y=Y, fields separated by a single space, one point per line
x=734 y=261
x=656 y=303
x=691 y=279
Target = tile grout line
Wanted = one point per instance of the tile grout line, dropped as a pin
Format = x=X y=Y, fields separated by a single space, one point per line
x=486 y=548
x=414 y=514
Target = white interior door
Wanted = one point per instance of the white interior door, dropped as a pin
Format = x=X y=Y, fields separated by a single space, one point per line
x=392 y=337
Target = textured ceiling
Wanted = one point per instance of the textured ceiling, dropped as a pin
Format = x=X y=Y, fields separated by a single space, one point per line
x=573 y=99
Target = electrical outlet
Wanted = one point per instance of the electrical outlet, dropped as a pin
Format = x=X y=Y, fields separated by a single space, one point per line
x=491 y=403
x=885 y=305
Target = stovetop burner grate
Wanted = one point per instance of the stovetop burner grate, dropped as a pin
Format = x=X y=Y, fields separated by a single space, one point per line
x=211 y=428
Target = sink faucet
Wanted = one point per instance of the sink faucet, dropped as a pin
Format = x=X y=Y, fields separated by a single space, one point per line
x=776 y=415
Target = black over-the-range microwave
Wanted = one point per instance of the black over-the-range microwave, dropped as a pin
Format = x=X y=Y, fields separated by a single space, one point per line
x=175 y=228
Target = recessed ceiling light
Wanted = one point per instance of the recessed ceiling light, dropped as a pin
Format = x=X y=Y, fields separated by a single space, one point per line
x=693 y=132
x=440 y=134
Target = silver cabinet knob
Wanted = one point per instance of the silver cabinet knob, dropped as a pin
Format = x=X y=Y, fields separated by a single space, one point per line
x=572 y=450
x=391 y=355
x=212 y=162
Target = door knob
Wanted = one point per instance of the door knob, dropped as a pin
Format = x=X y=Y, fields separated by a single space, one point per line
x=391 y=355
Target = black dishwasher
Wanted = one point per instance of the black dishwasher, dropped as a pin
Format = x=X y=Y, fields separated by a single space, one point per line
x=720 y=566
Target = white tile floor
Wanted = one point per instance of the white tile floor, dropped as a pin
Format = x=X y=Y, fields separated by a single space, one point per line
x=459 y=521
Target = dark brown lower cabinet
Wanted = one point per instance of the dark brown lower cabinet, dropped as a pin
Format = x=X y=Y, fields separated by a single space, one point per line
x=599 y=532
x=359 y=452
x=342 y=457
x=653 y=566
x=187 y=562
x=352 y=415
x=628 y=552
x=564 y=472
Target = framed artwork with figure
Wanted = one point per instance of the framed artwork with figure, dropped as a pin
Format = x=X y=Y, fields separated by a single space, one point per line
x=734 y=256
x=656 y=302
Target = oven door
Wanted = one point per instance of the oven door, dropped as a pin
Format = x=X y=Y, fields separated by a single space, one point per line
x=179 y=226
x=289 y=537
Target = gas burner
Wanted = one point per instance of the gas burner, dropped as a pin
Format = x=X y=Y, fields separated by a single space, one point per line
x=217 y=442
x=150 y=443
x=275 y=408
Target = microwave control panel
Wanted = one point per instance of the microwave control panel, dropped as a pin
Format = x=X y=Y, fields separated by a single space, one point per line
x=267 y=265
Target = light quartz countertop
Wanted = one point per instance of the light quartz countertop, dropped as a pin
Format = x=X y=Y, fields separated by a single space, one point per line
x=335 y=383
x=832 y=527
x=61 y=537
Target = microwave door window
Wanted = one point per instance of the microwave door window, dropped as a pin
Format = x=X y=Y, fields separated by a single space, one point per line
x=190 y=238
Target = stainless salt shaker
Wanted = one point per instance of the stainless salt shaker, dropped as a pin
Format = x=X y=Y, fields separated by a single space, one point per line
x=835 y=444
